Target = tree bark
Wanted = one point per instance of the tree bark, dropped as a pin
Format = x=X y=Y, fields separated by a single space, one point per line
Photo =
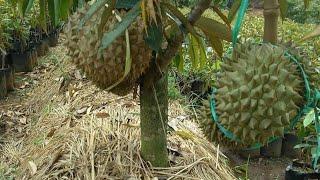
x=154 y=97
x=154 y=118
x=271 y=14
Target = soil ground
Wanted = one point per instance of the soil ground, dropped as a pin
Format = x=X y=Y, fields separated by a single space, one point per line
x=258 y=168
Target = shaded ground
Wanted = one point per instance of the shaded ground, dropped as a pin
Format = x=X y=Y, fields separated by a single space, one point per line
x=258 y=168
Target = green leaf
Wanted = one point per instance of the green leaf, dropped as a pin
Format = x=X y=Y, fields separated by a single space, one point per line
x=154 y=36
x=27 y=5
x=92 y=10
x=233 y=11
x=127 y=67
x=203 y=55
x=105 y=16
x=283 y=8
x=43 y=10
x=310 y=117
x=181 y=61
x=126 y=4
x=65 y=6
x=119 y=28
x=192 y=50
x=216 y=43
x=212 y=26
x=298 y=146
x=175 y=12
x=222 y=16
x=53 y=7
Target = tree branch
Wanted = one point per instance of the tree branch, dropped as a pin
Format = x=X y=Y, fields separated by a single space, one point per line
x=198 y=10
x=162 y=62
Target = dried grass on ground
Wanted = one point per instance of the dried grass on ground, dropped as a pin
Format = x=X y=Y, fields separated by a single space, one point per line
x=76 y=131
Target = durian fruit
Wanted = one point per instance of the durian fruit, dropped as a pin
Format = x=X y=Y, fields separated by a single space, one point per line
x=259 y=92
x=309 y=67
x=210 y=128
x=105 y=71
x=207 y=125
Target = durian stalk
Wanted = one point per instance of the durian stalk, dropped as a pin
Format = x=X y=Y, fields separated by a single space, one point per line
x=271 y=14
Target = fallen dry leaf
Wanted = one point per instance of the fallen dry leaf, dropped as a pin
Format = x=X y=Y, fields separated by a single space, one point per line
x=23 y=120
x=82 y=110
x=77 y=74
x=89 y=110
x=102 y=115
x=32 y=167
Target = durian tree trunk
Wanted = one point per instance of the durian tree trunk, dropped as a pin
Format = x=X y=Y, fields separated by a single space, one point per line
x=271 y=14
x=154 y=118
x=154 y=97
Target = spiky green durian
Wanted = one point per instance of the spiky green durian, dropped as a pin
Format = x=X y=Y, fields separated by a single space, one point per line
x=259 y=92
x=105 y=71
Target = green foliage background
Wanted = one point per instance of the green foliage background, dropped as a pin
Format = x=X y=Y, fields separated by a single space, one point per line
x=298 y=13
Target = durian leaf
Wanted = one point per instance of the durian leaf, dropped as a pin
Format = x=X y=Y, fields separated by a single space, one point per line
x=283 y=8
x=128 y=62
x=298 y=146
x=119 y=28
x=43 y=10
x=196 y=50
x=310 y=117
x=154 y=36
x=126 y=3
x=105 y=16
x=175 y=12
x=215 y=42
x=92 y=10
x=192 y=50
x=203 y=55
x=221 y=15
x=233 y=11
x=181 y=61
x=213 y=26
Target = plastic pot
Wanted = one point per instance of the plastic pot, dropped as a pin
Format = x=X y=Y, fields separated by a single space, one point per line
x=40 y=49
x=273 y=149
x=8 y=60
x=53 y=39
x=3 y=85
x=300 y=171
x=22 y=62
x=288 y=143
x=46 y=45
x=34 y=57
x=9 y=74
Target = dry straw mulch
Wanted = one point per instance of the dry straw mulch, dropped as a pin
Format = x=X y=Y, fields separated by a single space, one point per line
x=76 y=131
